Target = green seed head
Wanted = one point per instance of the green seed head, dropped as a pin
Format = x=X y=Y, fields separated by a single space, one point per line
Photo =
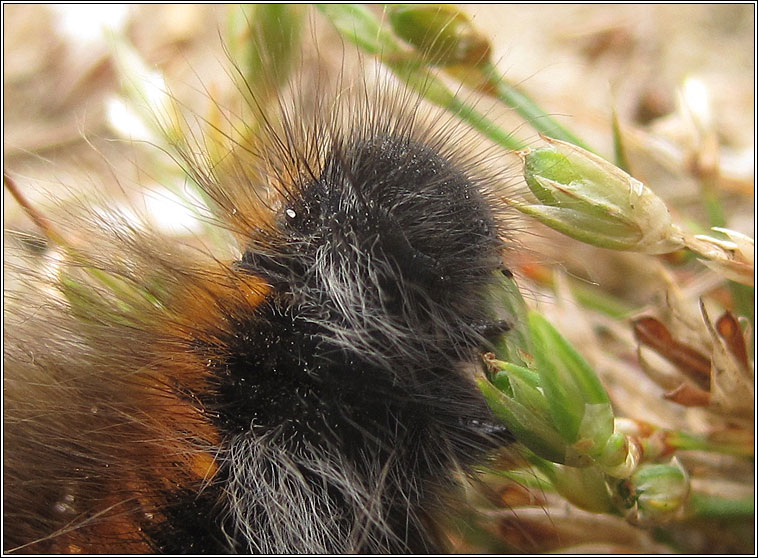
x=590 y=199
x=441 y=33
x=660 y=491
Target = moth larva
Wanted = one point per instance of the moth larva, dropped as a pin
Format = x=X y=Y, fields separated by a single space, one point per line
x=311 y=394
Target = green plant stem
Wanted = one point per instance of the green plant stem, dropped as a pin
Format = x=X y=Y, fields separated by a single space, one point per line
x=527 y=478
x=713 y=205
x=601 y=301
x=707 y=506
x=743 y=298
x=479 y=122
x=527 y=108
x=619 y=151
x=684 y=441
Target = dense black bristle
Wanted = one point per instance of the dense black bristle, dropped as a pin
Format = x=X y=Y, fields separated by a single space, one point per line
x=390 y=242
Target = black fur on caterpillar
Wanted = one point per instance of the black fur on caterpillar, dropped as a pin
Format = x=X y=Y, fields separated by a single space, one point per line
x=312 y=395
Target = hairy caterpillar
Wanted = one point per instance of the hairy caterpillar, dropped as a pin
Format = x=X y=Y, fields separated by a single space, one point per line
x=311 y=394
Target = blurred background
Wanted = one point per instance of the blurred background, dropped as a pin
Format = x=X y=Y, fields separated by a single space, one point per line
x=680 y=78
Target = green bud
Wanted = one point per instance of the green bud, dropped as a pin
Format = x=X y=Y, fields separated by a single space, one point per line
x=559 y=409
x=515 y=345
x=578 y=404
x=590 y=199
x=619 y=457
x=442 y=33
x=513 y=371
x=659 y=490
x=526 y=418
x=583 y=487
